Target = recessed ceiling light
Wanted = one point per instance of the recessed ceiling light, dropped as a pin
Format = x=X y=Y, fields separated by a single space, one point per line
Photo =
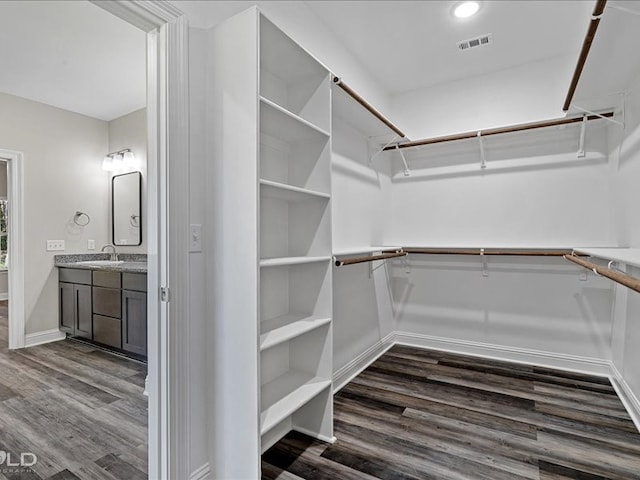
x=466 y=9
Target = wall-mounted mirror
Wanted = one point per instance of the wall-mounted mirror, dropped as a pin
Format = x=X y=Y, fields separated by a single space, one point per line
x=125 y=209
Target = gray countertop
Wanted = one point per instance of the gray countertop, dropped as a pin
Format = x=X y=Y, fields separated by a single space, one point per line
x=131 y=263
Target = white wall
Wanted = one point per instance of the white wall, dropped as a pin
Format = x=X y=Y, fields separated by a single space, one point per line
x=130 y=131
x=625 y=170
x=523 y=94
x=535 y=304
x=198 y=290
x=63 y=152
x=362 y=314
x=534 y=192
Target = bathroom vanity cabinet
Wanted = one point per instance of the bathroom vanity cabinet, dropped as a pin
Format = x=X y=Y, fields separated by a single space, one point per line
x=105 y=306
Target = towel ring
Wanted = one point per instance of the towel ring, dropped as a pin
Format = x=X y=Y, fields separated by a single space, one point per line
x=82 y=219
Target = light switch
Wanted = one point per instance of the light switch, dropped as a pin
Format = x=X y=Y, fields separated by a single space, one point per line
x=195 y=238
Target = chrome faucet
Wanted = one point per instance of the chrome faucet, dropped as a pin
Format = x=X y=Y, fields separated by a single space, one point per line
x=114 y=254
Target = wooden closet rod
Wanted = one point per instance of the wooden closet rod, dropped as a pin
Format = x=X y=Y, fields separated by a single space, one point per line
x=622 y=278
x=497 y=131
x=368 y=106
x=584 y=53
x=488 y=251
x=371 y=258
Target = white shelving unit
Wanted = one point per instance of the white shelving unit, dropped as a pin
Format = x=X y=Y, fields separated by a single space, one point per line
x=295 y=301
x=270 y=113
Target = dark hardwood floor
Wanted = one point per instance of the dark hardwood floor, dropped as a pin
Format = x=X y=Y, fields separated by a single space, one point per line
x=419 y=414
x=79 y=409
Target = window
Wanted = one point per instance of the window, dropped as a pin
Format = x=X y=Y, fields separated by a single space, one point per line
x=4 y=234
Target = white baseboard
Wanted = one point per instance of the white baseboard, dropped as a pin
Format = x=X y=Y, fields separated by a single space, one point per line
x=46 y=336
x=202 y=473
x=347 y=373
x=4 y=296
x=626 y=395
x=588 y=365
x=311 y=434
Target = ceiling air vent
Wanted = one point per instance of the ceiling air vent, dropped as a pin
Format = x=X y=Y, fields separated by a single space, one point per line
x=475 y=42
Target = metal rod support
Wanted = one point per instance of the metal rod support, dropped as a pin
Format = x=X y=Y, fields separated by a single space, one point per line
x=498 y=131
x=622 y=278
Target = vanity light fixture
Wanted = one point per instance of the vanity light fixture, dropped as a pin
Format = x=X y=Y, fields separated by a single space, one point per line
x=122 y=160
x=466 y=9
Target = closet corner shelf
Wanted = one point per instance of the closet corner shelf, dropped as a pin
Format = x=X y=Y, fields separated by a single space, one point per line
x=281 y=329
x=290 y=193
x=288 y=126
x=629 y=256
x=356 y=250
x=286 y=394
x=276 y=262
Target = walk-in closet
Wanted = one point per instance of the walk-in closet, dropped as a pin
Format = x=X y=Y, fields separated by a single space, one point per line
x=422 y=255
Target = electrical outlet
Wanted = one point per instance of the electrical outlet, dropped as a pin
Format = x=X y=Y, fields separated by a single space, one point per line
x=91 y=244
x=55 y=245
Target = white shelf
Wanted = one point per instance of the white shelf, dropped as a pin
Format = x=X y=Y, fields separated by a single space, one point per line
x=280 y=123
x=356 y=250
x=289 y=193
x=281 y=329
x=629 y=256
x=286 y=394
x=276 y=262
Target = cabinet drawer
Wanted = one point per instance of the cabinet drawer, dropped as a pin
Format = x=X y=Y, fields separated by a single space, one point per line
x=74 y=275
x=107 y=330
x=106 y=279
x=134 y=281
x=107 y=301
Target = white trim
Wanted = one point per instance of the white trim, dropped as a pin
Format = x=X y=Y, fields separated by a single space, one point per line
x=569 y=363
x=316 y=435
x=46 y=336
x=626 y=394
x=168 y=203
x=352 y=369
x=202 y=473
x=15 y=184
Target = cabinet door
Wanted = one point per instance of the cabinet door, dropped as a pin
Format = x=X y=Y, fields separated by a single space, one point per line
x=84 y=312
x=134 y=322
x=67 y=314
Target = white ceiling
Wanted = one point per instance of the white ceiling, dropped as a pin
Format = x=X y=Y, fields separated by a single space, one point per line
x=412 y=44
x=72 y=55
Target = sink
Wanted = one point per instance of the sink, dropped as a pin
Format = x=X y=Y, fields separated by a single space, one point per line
x=101 y=262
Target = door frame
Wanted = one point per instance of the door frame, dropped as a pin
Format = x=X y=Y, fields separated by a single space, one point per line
x=167 y=223
x=15 y=195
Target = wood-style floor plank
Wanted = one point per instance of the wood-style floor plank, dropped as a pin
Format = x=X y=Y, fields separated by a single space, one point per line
x=80 y=409
x=421 y=414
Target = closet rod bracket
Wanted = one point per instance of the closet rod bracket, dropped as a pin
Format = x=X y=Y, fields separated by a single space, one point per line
x=407 y=172
x=485 y=263
x=483 y=160
x=583 y=128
